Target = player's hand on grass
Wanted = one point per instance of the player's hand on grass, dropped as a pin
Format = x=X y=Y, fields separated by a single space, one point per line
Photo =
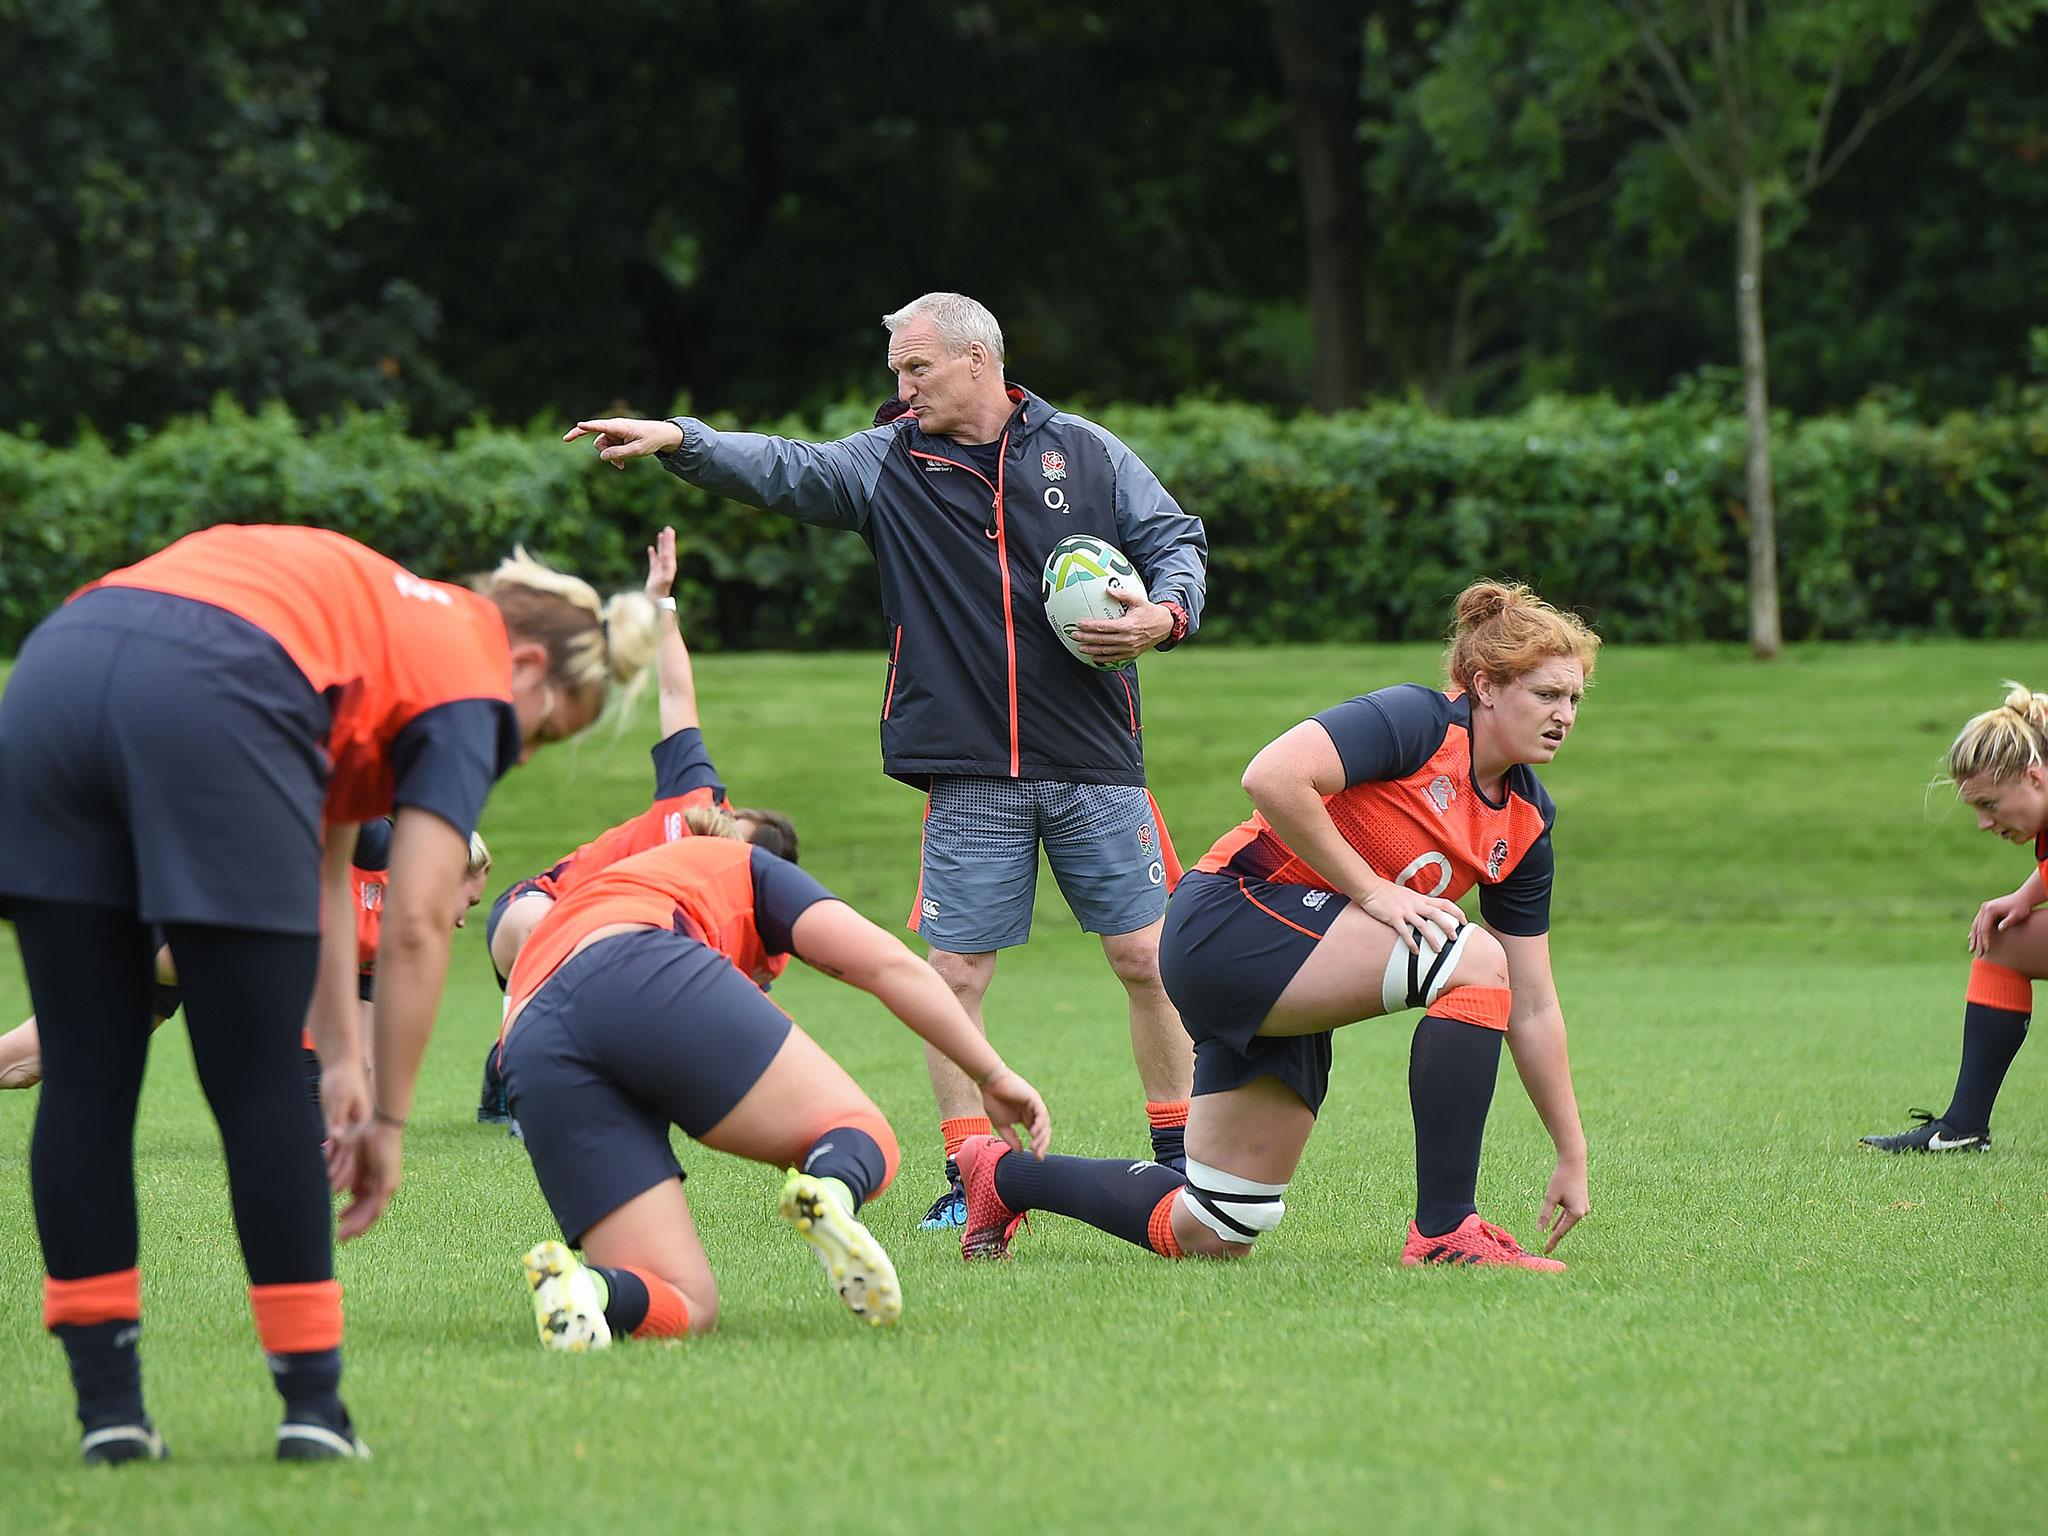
x=1565 y=1203
x=620 y=438
x=1144 y=625
x=661 y=565
x=375 y=1158
x=1993 y=918
x=1011 y=1102
x=1417 y=919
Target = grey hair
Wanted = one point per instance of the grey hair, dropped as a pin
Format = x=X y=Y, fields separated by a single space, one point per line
x=957 y=318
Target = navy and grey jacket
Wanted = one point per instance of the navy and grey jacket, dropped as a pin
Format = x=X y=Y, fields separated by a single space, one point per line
x=977 y=683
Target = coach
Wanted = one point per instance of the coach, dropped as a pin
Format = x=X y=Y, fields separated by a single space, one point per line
x=961 y=492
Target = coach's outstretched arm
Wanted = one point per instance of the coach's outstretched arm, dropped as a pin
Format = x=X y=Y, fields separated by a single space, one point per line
x=825 y=483
x=1536 y=1040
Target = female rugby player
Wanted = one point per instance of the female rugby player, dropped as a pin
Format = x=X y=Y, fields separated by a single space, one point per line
x=636 y=1005
x=684 y=778
x=21 y=1062
x=172 y=743
x=1999 y=767
x=1336 y=902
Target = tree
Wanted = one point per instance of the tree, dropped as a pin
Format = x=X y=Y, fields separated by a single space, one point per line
x=1755 y=103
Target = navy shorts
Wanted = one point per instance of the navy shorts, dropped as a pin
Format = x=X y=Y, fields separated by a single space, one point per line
x=163 y=757
x=639 y=1032
x=1228 y=950
x=979 y=870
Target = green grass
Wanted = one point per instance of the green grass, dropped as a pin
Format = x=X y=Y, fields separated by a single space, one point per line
x=1759 y=940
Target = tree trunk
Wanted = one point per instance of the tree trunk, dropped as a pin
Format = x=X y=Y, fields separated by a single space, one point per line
x=1321 y=51
x=1766 y=635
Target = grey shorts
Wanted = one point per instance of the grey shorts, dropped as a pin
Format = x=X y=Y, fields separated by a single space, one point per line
x=980 y=866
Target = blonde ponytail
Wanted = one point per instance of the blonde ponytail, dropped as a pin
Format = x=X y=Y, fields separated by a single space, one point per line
x=590 y=644
x=2002 y=743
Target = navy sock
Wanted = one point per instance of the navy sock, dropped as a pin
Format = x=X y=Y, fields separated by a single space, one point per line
x=626 y=1308
x=1170 y=1147
x=310 y=1384
x=1991 y=1038
x=850 y=1156
x=1451 y=1069
x=106 y=1372
x=1110 y=1193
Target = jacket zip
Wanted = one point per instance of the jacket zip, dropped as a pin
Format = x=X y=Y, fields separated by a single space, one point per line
x=1130 y=699
x=895 y=656
x=1001 y=538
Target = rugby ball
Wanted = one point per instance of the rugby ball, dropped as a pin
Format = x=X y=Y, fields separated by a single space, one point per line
x=1080 y=574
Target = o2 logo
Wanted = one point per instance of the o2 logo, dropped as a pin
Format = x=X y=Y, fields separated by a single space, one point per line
x=1428 y=873
x=1056 y=499
x=672 y=827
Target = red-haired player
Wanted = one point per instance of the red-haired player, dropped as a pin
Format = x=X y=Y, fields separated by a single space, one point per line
x=191 y=742
x=635 y=1005
x=1336 y=902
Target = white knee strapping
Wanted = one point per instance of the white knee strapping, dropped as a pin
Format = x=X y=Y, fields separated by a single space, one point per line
x=1416 y=981
x=1236 y=1210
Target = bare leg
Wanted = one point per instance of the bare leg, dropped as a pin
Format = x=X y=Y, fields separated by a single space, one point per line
x=968 y=976
x=1164 y=1053
x=1339 y=983
x=1256 y=1132
x=655 y=1232
x=21 y=1055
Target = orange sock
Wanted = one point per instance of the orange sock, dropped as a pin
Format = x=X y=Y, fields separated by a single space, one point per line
x=1159 y=1231
x=668 y=1315
x=1999 y=986
x=1164 y=1114
x=296 y=1319
x=113 y=1298
x=957 y=1131
x=1485 y=1006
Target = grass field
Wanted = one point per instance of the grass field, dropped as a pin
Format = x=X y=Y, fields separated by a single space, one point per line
x=1759 y=942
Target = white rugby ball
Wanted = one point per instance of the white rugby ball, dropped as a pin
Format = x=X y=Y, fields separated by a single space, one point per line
x=1080 y=574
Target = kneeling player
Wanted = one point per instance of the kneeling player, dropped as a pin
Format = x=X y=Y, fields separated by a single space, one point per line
x=1999 y=766
x=1335 y=903
x=684 y=780
x=636 y=1005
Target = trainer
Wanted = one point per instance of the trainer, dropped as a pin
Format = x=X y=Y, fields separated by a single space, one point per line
x=961 y=490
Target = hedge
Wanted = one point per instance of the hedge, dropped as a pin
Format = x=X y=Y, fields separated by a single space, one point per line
x=1351 y=527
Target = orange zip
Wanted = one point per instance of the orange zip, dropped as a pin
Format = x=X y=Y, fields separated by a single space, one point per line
x=895 y=656
x=1130 y=699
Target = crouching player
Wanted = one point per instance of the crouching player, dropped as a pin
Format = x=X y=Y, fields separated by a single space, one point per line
x=1999 y=767
x=636 y=1004
x=684 y=780
x=1335 y=903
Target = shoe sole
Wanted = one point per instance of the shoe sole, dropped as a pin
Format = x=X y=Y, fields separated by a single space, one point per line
x=564 y=1320
x=853 y=1261
x=1975 y=1146
x=315 y=1442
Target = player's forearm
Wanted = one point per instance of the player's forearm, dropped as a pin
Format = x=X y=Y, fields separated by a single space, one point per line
x=331 y=1018
x=676 y=679
x=912 y=991
x=1537 y=1043
x=1296 y=812
x=412 y=966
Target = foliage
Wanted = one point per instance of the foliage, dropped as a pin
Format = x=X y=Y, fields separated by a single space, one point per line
x=1351 y=527
x=333 y=206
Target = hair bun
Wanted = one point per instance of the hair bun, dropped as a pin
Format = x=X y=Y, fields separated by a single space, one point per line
x=631 y=633
x=2030 y=706
x=1485 y=600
